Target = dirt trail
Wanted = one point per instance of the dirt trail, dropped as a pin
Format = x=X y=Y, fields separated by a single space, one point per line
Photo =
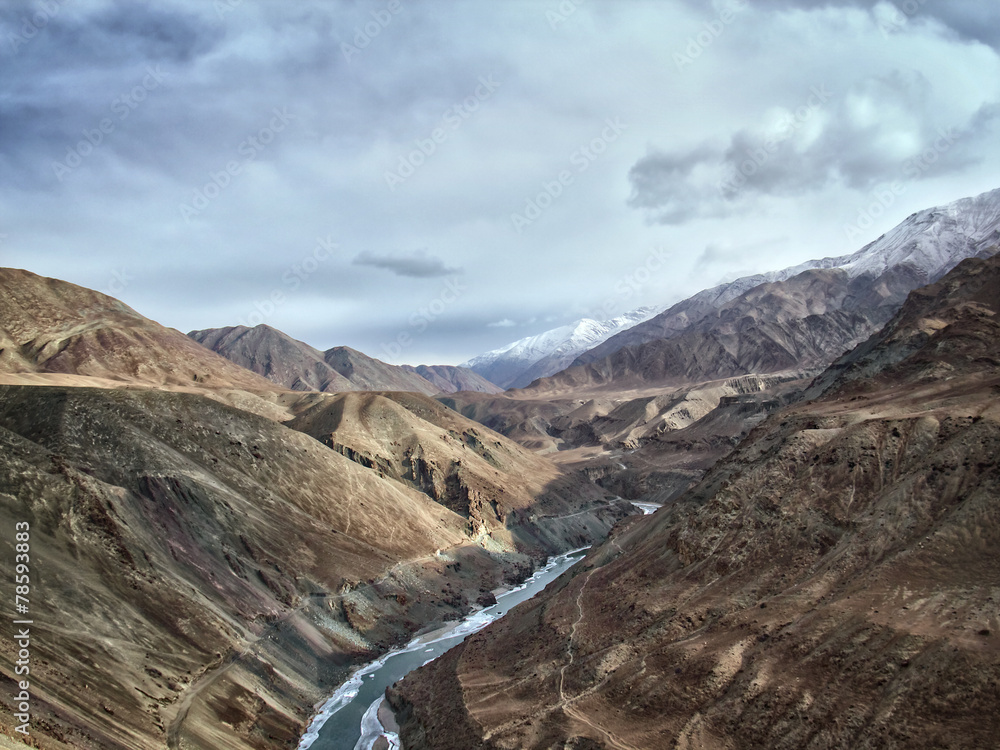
x=572 y=635
x=211 y=674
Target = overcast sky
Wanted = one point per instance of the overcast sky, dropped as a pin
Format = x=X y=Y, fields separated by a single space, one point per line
x=425 y=181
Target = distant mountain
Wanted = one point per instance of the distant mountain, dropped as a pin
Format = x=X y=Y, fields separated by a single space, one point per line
x=923 y=248
x=53 y=331
x=802 y=320
x=275 y=356
x=519 y=363
x=450 y=379
x=945 y=330
x=296 y=365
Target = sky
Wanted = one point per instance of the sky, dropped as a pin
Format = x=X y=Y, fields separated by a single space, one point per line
x=426 y=181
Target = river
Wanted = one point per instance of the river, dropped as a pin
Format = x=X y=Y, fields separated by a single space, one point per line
x=348 y=720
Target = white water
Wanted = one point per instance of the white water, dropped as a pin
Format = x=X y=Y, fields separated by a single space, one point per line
x=372 y=729
x=373 y=678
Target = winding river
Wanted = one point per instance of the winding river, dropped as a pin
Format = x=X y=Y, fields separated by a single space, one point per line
x=349 y=719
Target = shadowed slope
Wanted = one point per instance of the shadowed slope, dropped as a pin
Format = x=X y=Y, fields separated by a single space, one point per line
x=202 y=576
x=829 y=584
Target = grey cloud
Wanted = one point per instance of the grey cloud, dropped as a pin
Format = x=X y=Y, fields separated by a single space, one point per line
x=713 y=254
x=786 y=158
x=418 y=264
x=227 y=72
x=970 y=19
x=60 y=34
x=661 y=184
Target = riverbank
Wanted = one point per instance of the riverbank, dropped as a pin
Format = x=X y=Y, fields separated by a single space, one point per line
x=352 y=711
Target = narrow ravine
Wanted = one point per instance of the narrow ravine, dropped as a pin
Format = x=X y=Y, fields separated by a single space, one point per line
x=349 y=718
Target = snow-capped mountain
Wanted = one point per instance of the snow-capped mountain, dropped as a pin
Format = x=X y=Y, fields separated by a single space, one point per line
x=933 y=241
x=923 y=247
x=520 y=362
x=918 y=251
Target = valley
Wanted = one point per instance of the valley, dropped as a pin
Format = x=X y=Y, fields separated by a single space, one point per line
x=227 y=523
x=524 y=375
x=827 y=584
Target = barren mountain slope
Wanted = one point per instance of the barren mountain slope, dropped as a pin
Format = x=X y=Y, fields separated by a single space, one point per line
x=369 y=374
x=480 y=475
x=201 y=576
x=647 y=444
x=918 y=251
x=963 y=303
x=294 y=364
x=797 y=324
x=274 y=355
x=832 y=583
x=449 y=379
x=52 y=326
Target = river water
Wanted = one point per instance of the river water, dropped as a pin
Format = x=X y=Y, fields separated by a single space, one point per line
x=348 y=720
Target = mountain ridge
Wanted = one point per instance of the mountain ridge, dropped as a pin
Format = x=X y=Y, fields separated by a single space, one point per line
x=293 y=364
x=519 y=363
x=50 y=327
x=715 y=334
x=826 y=585
x=970 y=223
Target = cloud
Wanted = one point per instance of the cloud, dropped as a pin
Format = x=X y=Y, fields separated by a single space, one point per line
x=505 y=323
x=676 y=187
x=418 y=264
x=970 y=20
x=875 y=132
x=228 y=66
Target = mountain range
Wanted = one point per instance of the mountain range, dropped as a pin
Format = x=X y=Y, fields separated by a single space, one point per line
x=648 y=420
x=295 y=365
x=858 y=293
x=519 y=363
x=55 y=332
x=223 y=525
x=828 y=584
x=211 y=551
x=920 y=250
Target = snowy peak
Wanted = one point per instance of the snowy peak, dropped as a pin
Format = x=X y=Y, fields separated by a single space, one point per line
x=932 y=241
x=518 y=363
x=921 y=249
x=918 y=251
